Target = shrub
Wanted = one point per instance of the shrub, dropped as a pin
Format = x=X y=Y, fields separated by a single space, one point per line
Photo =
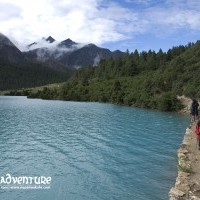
x=169 y=102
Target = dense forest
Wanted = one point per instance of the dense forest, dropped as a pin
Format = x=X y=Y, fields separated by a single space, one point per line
x=29 y=74
x=144 y=79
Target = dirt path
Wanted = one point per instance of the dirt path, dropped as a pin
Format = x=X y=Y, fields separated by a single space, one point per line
x=195 y=162
x=192 y=146
x=187 y=186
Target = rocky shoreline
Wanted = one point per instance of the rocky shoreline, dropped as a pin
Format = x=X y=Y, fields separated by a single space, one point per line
x=187 y=185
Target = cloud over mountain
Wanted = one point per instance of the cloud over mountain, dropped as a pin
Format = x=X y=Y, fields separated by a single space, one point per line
x=97 y=21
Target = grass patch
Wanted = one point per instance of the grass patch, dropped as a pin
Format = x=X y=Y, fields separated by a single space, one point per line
x=185 y=169
x=27 y=91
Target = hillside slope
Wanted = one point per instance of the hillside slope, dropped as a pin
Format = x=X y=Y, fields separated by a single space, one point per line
x=8 y=51
x=146 y=79
x=25 y=75
x=16 y=71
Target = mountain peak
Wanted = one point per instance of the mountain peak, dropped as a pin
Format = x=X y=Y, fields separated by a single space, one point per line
x=41 y=43
x=50 y=39
x=68 y=43
x=69 y=40
x=90 y=45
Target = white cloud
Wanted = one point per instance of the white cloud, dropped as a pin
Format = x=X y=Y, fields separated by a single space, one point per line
x=174 y=16
x=140 y=1
x=95 y=21
x=87 y=21
x=9 y=11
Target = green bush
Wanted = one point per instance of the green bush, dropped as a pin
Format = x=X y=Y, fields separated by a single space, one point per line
x=169 y=102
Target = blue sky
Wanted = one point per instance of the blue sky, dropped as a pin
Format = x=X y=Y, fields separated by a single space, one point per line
x=168 y=23
x=113 y=24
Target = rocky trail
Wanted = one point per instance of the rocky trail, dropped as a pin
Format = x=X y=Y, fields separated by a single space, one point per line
x=187 y=186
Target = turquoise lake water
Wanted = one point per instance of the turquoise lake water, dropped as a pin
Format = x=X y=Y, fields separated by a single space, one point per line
x=91 y=151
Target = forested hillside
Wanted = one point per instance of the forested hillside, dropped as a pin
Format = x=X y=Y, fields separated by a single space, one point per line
x=28 y=74
x=17 y=71
x=146 y=79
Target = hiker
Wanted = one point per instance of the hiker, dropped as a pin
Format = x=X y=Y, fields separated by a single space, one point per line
x=194 y=110
x=197 y=131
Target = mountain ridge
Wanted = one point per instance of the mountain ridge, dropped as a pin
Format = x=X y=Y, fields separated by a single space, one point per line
x=52 y=63
x=17 y=71
x=69 y=52
x=8 y=51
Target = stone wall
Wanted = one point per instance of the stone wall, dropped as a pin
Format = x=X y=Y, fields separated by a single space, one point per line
x=187 y=185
